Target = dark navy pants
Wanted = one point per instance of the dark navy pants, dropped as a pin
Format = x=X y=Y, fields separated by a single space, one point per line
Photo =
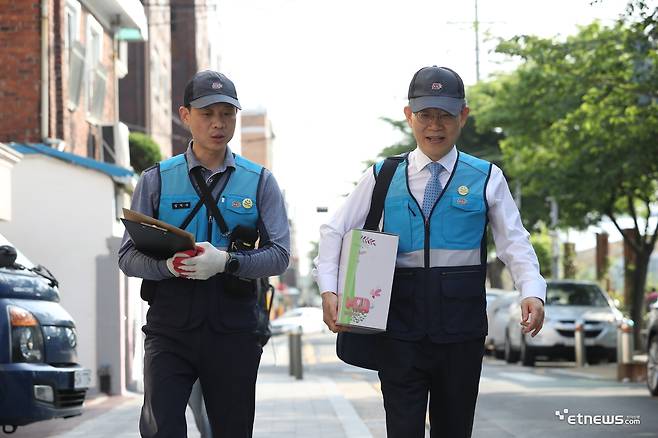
x=409 y=371
x=226 y=366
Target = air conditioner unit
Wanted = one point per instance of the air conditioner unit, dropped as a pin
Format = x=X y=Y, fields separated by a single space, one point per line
x=115 y=145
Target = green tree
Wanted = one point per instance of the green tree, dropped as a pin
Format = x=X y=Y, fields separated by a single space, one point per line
x=144 y=151
x=581 y=123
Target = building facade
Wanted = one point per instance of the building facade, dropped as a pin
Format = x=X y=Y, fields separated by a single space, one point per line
x=191 y=51
x=145 y=92
x=61 y=62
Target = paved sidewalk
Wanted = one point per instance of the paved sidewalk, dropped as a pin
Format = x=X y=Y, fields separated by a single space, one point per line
x=285 y=407
x=320 y=405
x=312 y=407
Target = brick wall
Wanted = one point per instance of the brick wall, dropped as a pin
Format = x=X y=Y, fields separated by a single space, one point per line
x=20 y=70
x=20 y=77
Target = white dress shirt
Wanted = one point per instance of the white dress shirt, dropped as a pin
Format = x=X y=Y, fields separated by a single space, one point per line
x=511 y=238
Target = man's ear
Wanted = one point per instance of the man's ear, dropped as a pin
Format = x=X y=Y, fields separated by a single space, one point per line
x=184 y=114
x=464 y=116
x=407 y=114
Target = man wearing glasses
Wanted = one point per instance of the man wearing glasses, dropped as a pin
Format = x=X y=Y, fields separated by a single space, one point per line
x=439 y=203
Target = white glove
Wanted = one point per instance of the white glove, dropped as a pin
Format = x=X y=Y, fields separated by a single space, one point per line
x=208 y=262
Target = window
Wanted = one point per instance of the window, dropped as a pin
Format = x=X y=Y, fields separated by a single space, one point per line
x=573 y=294
x=74 y=52
x=122 y=60
x=94 y=71
x=72 y=23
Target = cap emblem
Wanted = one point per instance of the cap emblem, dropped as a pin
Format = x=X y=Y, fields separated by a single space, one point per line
x=437 y=86
x=216 y=85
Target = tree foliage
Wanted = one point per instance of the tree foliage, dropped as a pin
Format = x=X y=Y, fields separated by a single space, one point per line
x=580 y=119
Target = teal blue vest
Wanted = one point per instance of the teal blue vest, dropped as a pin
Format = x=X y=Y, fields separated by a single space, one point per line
x=457 y=223
x=237 y=202
x=439 y=284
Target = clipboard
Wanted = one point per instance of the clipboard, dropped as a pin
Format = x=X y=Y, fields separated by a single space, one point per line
x=156 y=238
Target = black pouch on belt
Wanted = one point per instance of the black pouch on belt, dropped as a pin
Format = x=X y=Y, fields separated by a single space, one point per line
x=241 y=238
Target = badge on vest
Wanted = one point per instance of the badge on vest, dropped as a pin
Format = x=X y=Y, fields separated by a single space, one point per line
x=180 y=205
x=247 y=203
x=462 y=190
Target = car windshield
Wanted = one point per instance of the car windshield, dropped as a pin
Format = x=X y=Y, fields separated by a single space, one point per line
x=20 y=258
x=575 y=295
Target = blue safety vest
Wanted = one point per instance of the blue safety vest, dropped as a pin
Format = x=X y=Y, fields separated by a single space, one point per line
x=179 y=303
x=237 y=202
x=438 y=288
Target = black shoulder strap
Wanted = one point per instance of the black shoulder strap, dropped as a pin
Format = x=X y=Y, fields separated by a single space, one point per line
x=208 y=200
x=196 y=208
x=379 y=192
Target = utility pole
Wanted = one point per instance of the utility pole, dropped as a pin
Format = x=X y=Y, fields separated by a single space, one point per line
x=476 y=26
x=555 y=256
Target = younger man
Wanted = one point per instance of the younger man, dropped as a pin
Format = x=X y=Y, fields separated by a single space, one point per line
x=200 y=325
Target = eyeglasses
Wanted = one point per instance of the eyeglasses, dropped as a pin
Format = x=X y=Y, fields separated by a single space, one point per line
x=426 y=117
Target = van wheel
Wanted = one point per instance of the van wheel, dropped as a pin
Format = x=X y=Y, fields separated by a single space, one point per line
x=510 y=355
x=527 y=354
x=652 y=366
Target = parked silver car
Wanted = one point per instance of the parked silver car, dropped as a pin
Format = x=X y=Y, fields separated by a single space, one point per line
x=499 y=306
x=567 y=303
x=309 y=319
x=652 y=350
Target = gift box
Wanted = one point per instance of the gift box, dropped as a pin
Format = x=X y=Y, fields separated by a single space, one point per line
x=365 y=279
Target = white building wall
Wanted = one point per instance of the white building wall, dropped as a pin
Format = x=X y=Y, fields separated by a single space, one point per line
x=63 y=215
x=8 y=158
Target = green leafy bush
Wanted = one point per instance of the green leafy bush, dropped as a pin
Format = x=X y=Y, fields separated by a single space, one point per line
x=144 y=151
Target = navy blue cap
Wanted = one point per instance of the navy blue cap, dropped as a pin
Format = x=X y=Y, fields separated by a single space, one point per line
x=437 y=87
x=208 y=87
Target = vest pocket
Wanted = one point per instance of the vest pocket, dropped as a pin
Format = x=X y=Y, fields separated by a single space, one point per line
x=466 y=218
x=237 y=303
x=171 y=303
x=401 y=314
x=463 y=303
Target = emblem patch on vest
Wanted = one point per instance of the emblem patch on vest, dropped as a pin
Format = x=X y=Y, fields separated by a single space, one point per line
x=247 y=203
x=463 y=190
x=180 y=205
x=235 y=204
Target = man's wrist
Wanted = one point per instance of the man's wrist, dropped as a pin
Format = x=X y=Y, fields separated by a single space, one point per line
x=232 y=265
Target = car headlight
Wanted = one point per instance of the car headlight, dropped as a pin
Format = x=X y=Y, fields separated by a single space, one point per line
x=71 y=337
x=26 y=337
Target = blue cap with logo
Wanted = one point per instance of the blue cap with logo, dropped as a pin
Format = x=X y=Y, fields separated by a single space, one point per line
x=437 y=87
x=208 y=87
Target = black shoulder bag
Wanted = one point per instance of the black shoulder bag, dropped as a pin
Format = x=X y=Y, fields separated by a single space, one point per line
x=352 y=348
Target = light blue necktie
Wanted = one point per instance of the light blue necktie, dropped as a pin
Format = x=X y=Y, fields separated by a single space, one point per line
x=432 y=189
